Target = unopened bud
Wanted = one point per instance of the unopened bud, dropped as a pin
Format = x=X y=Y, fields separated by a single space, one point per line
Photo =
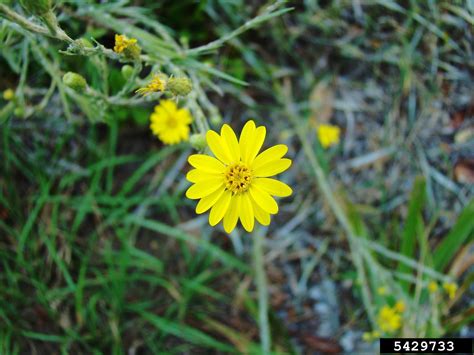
x=19 y=112
x=132 y=52
x=127 y=71
x=8 y=94
x=179 y=86
x=216 y=120
x=198 y=141
x=75 y=81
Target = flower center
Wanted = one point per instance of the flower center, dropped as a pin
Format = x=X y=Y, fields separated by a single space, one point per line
x=172 y=122
x=237 y=178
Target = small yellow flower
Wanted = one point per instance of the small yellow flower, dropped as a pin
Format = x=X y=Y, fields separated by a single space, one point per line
x=235 y=184
x=382 y=290
x=370 y=336
x=127 y=46
x=157 y=83
x=170 y=123
x=450 y=288
x=367 y=336
x=389 y=320
x=122 y=42
x=400 y=306
x=328 y=135
x=432 y=287
x=8 y=94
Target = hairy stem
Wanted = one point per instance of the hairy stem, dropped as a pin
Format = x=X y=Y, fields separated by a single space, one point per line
x=262 y=292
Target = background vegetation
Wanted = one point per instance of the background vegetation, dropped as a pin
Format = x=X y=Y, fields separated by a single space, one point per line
x=100 y=252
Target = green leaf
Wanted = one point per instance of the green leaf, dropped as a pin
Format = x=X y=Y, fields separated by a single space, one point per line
x=461 y=233
x=185 y=332
x=413 y=225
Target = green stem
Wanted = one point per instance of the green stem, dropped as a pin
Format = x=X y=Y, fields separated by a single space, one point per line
x=262 y=292
x=334 y=204
x=54 y=30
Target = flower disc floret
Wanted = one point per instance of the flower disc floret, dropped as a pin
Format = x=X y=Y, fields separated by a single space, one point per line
x=237 y=178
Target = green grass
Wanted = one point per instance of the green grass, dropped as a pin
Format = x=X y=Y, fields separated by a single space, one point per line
x=100 y=252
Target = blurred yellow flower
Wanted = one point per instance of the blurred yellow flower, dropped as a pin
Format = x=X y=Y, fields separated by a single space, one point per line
x=450 y=288
x=122 y=42
x=367 y=336
x=432 y=287
x=328 y=135
x=8 y=94
x=370 y=336
x=170 y=123
x=157 y=83
x=399 y=306
x=389 y=320
x=235 y=184
x=127 y=46
x=382 y=290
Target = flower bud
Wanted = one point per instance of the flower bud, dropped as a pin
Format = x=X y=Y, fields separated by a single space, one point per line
x=19 y=112
x=216 y=120
x=75 y=81
x=36 y=7
x=8 y=94
x=127 y=71
x=179 y=86
x=132 y=52
x=198 y=141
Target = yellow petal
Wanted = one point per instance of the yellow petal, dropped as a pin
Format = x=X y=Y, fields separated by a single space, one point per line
x=270 y=154
x=218 y=147
x=196 y=175
x=251 y=140
x=263 y=199
x=246 y=213
x=232 y=215
x=230 y=139
x=259 y=137
x=220 y=208
x=262 y=217
x=206 y=163
x=208 y=201
x=204 y=188
x=272 y=168
x=246 y=139
x=273 y=187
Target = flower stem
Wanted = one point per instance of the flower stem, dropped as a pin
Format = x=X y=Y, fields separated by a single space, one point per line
x=262 y=292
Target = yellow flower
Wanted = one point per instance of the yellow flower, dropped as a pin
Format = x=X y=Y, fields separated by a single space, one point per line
x=127 y=46
x=382 y=290
x=432 y=287
x=399 y=306
x=389 y=320
x=157 y=83
x=450 y=288
x=122 y=42
x=8 y=94
x=170 y=123
x=328 y=135
x=235 y=184
x=369 y=336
